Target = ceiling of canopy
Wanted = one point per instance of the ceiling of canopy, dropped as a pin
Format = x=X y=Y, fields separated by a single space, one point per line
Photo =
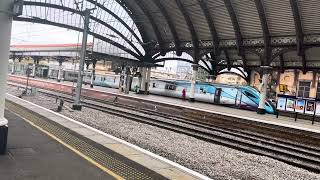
x=284 y=34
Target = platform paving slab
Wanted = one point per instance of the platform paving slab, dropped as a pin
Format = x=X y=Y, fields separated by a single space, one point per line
x=32 y=155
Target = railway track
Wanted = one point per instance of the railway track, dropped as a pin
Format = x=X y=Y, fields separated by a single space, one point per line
x=306 y=157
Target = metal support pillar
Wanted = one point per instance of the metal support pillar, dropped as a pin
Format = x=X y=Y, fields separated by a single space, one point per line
x=212 y=78
x=93 y=73
x=122 y=79
x=195 y=68
x=127 y=80
x=77 y=102
x=13 y=68
x=252 y=78
x=60 y=70
x=5 y=35
x=34 y=69
x=143 y=80
x=148 y=77
x=263 y=90
x=140 y=77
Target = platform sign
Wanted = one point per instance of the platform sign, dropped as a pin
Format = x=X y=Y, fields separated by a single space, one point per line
x=318 y=108
x=300 y=105
x=310 y=107
x=290 y=105
x=281 y=105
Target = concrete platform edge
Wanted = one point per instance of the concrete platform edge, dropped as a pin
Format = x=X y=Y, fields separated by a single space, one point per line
x=143 y=151
x=258 y=120
x=215 y=112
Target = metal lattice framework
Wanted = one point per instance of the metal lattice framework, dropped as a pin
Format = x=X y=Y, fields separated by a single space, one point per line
x=283 y=34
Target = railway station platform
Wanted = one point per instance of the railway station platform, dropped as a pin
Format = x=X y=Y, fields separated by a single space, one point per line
x=284 y=121
x=197 y=110
x=33 y=155
x=43 y=144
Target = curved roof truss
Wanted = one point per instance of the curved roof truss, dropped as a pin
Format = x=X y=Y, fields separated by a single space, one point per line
x=277 y=33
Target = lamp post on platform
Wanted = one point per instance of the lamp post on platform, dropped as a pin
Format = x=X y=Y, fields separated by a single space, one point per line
x=77 y=102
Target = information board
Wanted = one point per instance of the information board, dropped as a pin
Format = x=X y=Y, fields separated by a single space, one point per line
x=281 y=105
x=300 y=105
x=290 y=105
x=318 y=108
x=310 y=107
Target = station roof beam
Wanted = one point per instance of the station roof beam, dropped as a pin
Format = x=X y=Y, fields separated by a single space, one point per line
x=236 y=27
x=173 y=30
x=154 y=26
x=299 y=32
x=265 y=61
x=195 y=38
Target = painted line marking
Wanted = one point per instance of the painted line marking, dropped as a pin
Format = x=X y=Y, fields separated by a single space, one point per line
x=108 y=171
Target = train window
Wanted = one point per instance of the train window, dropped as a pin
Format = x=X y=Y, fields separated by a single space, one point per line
x=249 y=94
x=154 y=85
x=203 y=90
x=170 y=87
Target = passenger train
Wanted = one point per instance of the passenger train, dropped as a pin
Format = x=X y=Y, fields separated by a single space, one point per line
x=244 y=97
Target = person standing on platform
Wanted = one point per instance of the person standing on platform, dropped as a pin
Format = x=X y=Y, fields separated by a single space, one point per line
x=184 y=94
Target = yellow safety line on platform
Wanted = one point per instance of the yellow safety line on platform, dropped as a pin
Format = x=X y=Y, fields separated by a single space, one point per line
x=74 y=150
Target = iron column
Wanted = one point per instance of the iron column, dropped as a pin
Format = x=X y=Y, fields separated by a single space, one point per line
x=60 y=70
x=77 y=102
x=263 y=89
x=195 y=68
x=5 y=35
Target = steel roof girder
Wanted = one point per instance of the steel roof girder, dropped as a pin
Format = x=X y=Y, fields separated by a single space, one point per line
x=139 y=25
x=117 y=32
x=228 y=59
x=299 y=33
x=213 y=31
x=236 y=25
x=266 y=32
x=43 y=21
x=173 y=30
x=281 y=58
x=41 y=4
x=195 y=39
x=298 y=26
x=304 y=63
x=117 y=17
x=153 y=24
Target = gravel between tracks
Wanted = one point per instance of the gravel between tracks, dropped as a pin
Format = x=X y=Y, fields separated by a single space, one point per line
x=215 y=161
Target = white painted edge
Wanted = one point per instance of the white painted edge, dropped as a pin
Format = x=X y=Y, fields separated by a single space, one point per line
x=196 y=174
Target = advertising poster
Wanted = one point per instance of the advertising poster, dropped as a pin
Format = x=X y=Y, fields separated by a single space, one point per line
x=290 y=105
x=281 y=105
x=300 y=104
x=310 y=107
x=318 y=108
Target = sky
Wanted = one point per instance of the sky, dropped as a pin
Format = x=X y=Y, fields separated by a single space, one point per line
x=30 y=33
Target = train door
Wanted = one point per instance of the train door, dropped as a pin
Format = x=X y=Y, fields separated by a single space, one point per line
x=238 y=98
x=45 y=73
x=217 y=96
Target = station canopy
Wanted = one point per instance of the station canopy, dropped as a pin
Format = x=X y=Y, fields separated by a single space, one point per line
x=283 y=34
